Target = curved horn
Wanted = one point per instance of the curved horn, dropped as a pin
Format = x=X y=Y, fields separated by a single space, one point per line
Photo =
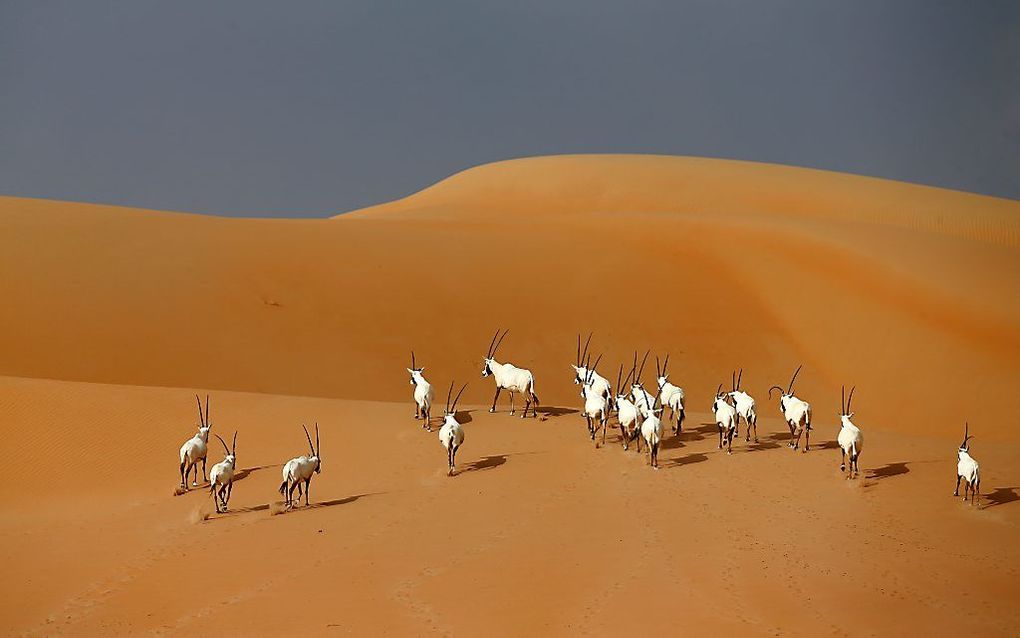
x=584 y=352
x=850 y=399
x=454 y=408
x=775 y=387
x=309 y=437
x=488 y=353
x=794 y=378
x=642 y=368
x=225 y=448
x=201 y=418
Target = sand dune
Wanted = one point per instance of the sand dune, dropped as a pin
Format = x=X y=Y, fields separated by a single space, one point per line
x=910 y=293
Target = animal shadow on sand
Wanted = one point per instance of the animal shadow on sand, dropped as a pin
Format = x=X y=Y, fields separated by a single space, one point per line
x=553 y=411
x=696 y=457
x=298 y=508
x=485 y=463
x=243 y=473
x=886 y=471
x=463 y=417
x=826 y=445
x=1001 y=496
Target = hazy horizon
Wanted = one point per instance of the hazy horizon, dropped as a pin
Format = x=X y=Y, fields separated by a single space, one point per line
x=249 y=108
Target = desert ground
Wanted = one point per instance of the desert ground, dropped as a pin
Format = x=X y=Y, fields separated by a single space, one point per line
x=115 y=318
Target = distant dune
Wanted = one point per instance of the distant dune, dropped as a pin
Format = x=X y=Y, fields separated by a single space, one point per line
x=909 y=292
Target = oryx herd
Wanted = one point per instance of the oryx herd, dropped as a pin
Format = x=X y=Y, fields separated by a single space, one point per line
x=638 y=413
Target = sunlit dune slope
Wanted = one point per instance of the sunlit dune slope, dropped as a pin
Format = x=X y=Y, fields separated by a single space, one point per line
x=909 y=292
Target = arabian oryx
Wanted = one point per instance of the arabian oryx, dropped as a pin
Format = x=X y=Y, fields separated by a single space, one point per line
x=671 y=396
x=221 y=476
x=599 y=384
x=451 y=434
x=642 y=399
x=745 y=406
x=596 y=405
x=422 y=394
x=196 y=448
x=967 y=469
x=510 y=377
x=627 y=412
x=850 y=438
x=300 y=470
x=725 y=419
x=796 y=412
x=651 y=431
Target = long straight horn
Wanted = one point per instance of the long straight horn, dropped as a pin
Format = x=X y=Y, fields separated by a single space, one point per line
x=587 y=341
x=619 y=379
x=850 y=399
x=225 y=448
x=794 y=378
x=591 y=369
x=413 y=367
x=733 y=380
x=966 y=435
x=488 y=353
x=309 y=437
x=317 y=448
x=627 y=380
x=842 y=399
x=449 y=393
x=505 y=332
x=642 y=368
x=718 y=391
x=207 y=421
x=665 y=364
x=201 y=418
x=739 y=375
x=233 y=448
x=658 y=370
x=577 y=357
x=454 y=408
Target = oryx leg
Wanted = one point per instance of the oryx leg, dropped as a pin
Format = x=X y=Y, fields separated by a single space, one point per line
x=205 y=477
x=308 y=489
x=720 y=437
x=290 y=493
x=511 y=402
x=842 y=460
x=957 y=492
x=495 y=398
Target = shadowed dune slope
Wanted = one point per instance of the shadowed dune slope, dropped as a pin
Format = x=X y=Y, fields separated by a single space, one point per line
x=909 y=292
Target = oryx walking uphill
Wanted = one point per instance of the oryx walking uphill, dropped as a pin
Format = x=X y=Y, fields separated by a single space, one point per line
x=796 y=412
x=671 y=396
x=596 y=404
x=300 y=470
x=725 y=419
x=221 y=477
x=422 y=395
x=850 y=438
x=598 y=384
x=626 y=411
x=451 y=434
x=967 y=469
x=744 y=404
x=196 y=448
x=511 y=378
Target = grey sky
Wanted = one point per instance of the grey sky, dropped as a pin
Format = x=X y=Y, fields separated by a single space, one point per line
x=312 y=108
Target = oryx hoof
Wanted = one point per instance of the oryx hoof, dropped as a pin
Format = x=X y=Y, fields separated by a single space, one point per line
x=491 y=410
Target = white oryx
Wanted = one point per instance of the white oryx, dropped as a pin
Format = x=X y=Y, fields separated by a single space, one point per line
x=796 y=412
x=642 y=399
x=626 y=412
x=300 y=470
x=596 y=405
x=671 y=396
x=599 y=384
x=196 y=448
x=745 y=406
x=651 y=432
x=850 y=438
x=510 y=377
x=422 y=394
x=221 y=476
x=967 y=469
x=725 y=419
x=451 y=434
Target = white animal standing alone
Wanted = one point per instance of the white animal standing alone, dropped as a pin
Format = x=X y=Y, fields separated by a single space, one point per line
x=451 y=434
x=967 y=469
x=422 y=395
x=196 y=448
x=300 y=470
x=221 y=476
x=511 y=378
x=745 y=406
x=796 y=412
x=671 y=396
x=725 y=419
x=850 y=438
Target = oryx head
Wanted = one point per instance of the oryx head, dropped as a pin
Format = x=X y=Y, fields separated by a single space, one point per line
x=580 y=371
x=491 y=352
x=661 y=376
x=637 y=386
x=450 y=412
x=231 y=452
x=785 y=395
x=415 y=372
x=965 y=447
x=621 y=383
x=315 y=457
x=204 y=425
x=721 y=398
x=735 y=384
x=844 y=405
